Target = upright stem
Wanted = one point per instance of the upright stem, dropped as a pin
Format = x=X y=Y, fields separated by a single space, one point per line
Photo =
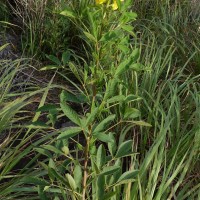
x=85 y=174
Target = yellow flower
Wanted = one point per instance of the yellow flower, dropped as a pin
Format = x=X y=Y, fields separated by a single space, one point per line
x=114 y=5
x=100 y=1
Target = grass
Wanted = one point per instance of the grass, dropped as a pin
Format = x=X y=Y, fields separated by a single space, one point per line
x=132 y=97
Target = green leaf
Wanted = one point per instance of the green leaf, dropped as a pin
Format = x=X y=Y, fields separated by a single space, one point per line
x=113 y=179
x=47 y=108
x=118 y=98
x=128 y=175
x=100 y=186
x=109 y=195
x=69 y=112
x=4 y=46
x=124 y=149
x=127 y=16
x=123 y=48
x=109 y=170
x=65 y=150
x=71 y=181
x=119 y=2
x=73 y=69
x=111 y=88
x=142 y=123
x=125 y=182
x=137 y=67
x=123 y=67
x=132 y=97
x=70 y=132
x=54 y=59
x=101 y=156
x=52 y=116
x=93 y=150
x=78 y=175
x=131 y=113
x=68 y=13
x=38 y=124
x=34 y=181
x=43 y=152
x=92 y=116
x=53 y=149
x=66 y=57
x=52 y=164
x=92 y=19
x=41 y=192
x=50 y=67
x=54 y=174
x=66 y=96
x=103 y=124
x=112 y=145
x=109 y=36
x=103 y=137
x=43 y=165
x=90 y=36
x=95 y=168
x=82 y=98
x=134 y=55
x=130 y=15
x=128 y=28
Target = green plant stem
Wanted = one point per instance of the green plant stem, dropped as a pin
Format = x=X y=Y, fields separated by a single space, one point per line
x=85 y=174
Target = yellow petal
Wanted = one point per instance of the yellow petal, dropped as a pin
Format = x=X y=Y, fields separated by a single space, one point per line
x=100 y=1
x=114 y=5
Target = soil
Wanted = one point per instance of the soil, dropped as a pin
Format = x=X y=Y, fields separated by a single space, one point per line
x=12 y=50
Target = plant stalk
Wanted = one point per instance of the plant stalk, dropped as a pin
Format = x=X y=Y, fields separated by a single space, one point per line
x=85 y=173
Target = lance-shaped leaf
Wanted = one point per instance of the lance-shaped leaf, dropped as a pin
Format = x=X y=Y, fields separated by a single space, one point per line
x=47 y=107
x=66 y=57
x=132 y=97
x=118 y=98
x=109 y=195
x=101 y=156
x=125 y=65
x=131 y=113
x=111 y=88
x=129 y=175
x=109 y=170
x=54 y=174
x=34 y=181
x=124 y=149
x=70 y=132
x=68 y=13
x=92 y=116
x=70 y=97
x=71 y=181
x=141 y=123
x=103 y=137
x=112 y=145
x=54 y=59
x=78 y=175
x=69 y=112
x=50 y=67
x=103 y=124
x=100 y=186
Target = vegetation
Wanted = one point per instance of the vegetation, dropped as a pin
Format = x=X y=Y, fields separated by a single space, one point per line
x=104 y=102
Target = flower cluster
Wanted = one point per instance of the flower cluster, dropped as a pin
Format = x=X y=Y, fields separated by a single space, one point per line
x=114 y=4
